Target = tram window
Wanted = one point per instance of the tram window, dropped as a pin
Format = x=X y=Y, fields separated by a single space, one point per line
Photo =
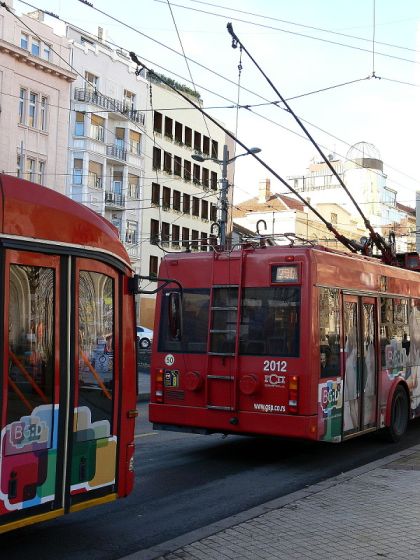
x=329 y=332
x=31 y=341
x=270 y=321
x=96 y=352
x=195 y=316
x=395 y=323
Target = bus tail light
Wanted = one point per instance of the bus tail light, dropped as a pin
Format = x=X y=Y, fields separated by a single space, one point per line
x=159 y=385
x=293 y=394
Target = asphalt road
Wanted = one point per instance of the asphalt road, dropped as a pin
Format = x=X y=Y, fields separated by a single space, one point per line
x=185 y=482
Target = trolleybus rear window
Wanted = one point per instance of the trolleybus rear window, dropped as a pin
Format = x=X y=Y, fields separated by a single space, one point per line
x=195 y=319
x=270 y=321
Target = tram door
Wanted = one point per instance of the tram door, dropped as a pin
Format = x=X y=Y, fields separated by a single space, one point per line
x=32 y=434
x=360 y=371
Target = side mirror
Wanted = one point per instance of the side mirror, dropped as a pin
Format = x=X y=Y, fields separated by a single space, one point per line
x=175 y=315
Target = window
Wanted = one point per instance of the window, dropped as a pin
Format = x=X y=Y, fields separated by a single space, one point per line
x=77 y=172
x=19 y=166
x=165 y=234
x=135 y=142
x=185 y=237
x=175 y=236
x=133 y=186
x=224 y=319
x=214 y=149
x=43 y=114
x=129 y=100
x=187 y=170
x=119 y=138
x=167 y=162
x=197 y=141
x=153 y=266
x=30 y=169
x=194 y=240
x=46 y=52
x=131 y=232
x=195 y=206
x=333 y=218
x=176 y=205
x=196 y=174
x=204 y=241
x=92 y=81
x=178 y=132
x=186 y=203
x=204 y=210
x=157 y=158
x=23 y=93
x=35 y=47
x=195 y=311
x=24 y=41
x=188 y=136
x=177 y=166
x=80 y=124
x=95 y=175
x=213 y=212
x=205 y=177
x=97 y=128
x=329 y=335
x=168 y=127
x=206 y=145
x=214 y=180
x=270 y=321
x=154 y=231
x=166 y=197
x=157 y=122
x=32 y=112
x=41 y=172
x=155 y=193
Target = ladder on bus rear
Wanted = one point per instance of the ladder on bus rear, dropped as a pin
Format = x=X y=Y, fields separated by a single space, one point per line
x=232 y=378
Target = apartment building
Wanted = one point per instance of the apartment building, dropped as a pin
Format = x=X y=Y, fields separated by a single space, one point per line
x=180 y=194
x=35 y=82
x=107 y=135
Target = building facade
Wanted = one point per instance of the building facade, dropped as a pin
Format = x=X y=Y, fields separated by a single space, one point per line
x=35 y=82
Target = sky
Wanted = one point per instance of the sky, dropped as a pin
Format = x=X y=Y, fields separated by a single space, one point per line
x=305 y=47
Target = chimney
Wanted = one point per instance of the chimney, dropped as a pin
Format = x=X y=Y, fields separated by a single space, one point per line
x=101 y=34
x=264 y=191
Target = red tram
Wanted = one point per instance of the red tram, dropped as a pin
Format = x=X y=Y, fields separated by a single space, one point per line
x=294 y=341
x=68 y=368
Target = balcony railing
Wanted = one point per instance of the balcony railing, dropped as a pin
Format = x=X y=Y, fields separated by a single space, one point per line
x=108 y=103
x=116 y=152
x=114 y=199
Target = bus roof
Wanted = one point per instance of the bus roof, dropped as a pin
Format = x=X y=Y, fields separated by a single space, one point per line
x=33 y=211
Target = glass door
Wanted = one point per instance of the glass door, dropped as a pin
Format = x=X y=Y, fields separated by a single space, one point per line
x=94 y=449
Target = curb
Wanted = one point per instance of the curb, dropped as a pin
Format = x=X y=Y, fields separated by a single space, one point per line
x=198 y=534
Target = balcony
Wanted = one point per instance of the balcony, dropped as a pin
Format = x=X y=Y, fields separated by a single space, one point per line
x=109 y=104
x=115 y=152
x=115 y=200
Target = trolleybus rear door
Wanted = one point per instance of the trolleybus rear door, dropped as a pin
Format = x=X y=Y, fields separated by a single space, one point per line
x=93 y=458
x=360 y=376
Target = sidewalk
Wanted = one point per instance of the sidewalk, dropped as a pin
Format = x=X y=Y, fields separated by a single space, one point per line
x=372 y=512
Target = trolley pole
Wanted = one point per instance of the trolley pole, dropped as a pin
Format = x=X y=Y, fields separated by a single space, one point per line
x=223 y=197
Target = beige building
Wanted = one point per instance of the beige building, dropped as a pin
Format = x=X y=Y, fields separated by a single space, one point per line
x=181 y=195
x=35 y=80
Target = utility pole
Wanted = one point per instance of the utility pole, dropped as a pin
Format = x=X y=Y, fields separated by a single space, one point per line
x=223 y=198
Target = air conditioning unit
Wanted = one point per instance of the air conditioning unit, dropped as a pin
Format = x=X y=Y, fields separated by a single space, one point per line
x=109 y=197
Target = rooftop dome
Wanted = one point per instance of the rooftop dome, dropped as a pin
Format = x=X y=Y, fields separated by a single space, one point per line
x=363 y=150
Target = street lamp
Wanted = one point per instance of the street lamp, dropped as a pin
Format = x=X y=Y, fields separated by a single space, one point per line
x=225 y=184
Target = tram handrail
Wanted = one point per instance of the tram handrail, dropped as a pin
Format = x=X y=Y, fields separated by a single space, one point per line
x=96 y=375
x=20 y=394
x=28 y=377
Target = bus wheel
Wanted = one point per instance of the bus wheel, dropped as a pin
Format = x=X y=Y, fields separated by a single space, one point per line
x=399 y=416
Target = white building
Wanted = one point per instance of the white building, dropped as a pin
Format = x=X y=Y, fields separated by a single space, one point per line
x=180 y=194
x=35 y=79
x=107 y=136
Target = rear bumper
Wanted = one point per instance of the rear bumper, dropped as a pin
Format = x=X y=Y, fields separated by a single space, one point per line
x=207 y=421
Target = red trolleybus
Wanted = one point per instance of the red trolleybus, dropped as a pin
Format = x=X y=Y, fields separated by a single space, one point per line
x=295 y=341
x=67 y=379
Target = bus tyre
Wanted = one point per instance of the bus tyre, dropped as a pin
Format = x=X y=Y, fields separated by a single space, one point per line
x=399 y=415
